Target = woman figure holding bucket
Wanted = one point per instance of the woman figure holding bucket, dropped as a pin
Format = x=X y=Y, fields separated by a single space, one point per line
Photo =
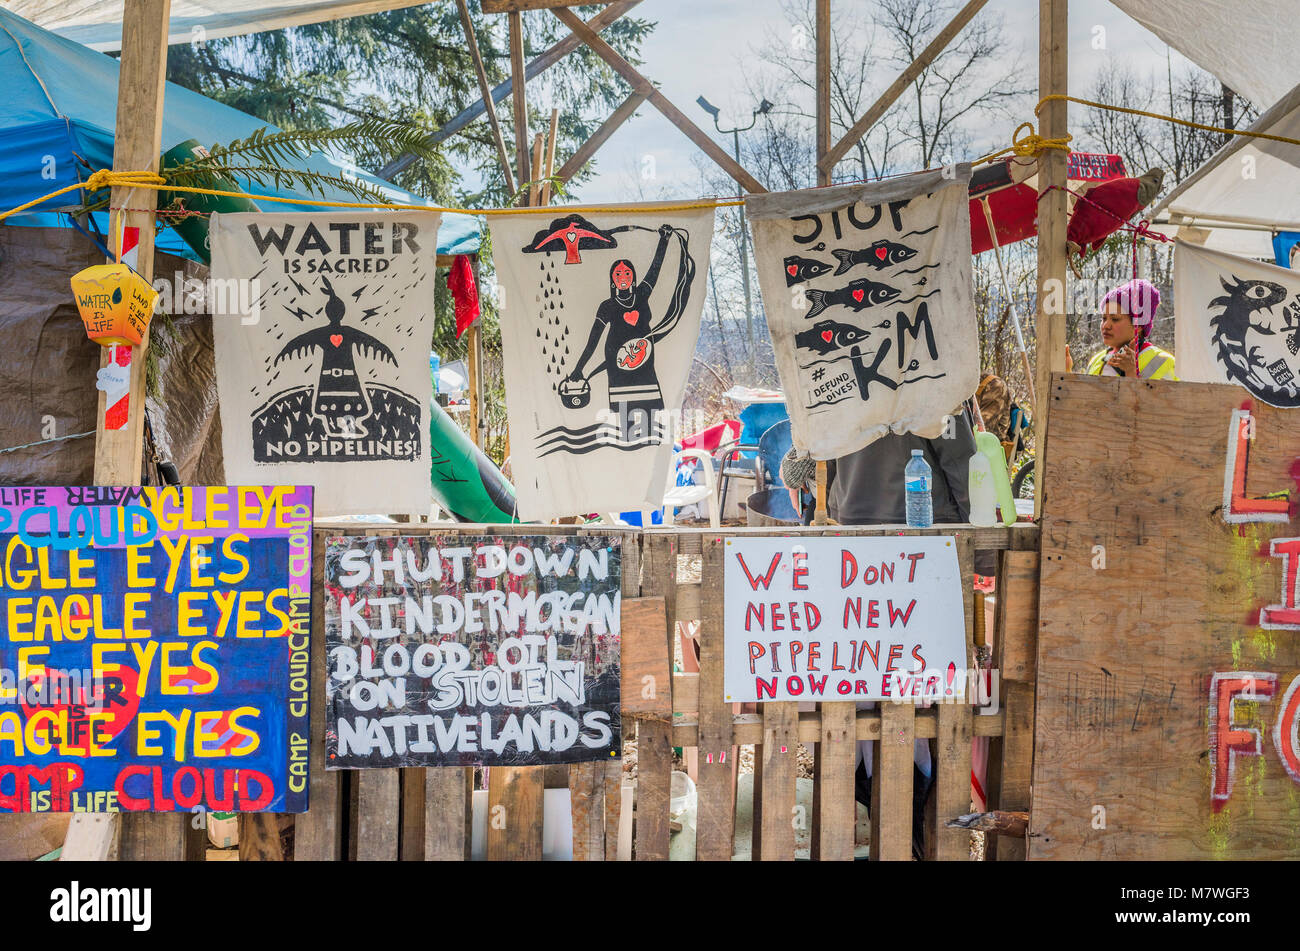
x=625 y=320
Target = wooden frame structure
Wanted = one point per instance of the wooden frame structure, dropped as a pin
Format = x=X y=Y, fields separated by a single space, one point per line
x=137 y=147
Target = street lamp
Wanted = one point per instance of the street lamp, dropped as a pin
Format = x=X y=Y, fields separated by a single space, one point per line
x=763 y=108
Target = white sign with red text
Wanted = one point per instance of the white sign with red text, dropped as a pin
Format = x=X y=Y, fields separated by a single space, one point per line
x=843 y=618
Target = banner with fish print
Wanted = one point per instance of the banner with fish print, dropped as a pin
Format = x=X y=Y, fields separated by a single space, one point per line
x=322 y=354
x=1238 y=322
x=867 y=291
x=600 y=312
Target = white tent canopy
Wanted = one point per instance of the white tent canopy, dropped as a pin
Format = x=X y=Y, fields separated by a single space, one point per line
x=1250 y=45
x=98 y=23
x=1245 y=191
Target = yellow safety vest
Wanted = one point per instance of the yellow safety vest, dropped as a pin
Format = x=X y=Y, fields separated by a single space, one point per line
x=1153 y=363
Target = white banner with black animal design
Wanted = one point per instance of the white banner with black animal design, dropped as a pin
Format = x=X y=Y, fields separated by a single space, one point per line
x=325 y=380
x=867 y=290
x=1238 y=322
x=599 y=320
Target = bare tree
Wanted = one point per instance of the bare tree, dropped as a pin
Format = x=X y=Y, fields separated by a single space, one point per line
x=954 y=103
x=962 y=83
x=1144 y=142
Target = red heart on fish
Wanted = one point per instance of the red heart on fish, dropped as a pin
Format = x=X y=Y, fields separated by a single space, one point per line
x=826 y=335
x=793 y=269
x=632 y=316
x=336 y=339
x=881 y=253
x=857 y=295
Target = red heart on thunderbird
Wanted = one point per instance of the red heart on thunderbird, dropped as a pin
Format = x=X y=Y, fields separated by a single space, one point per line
x=336 y=339
x=857 y=295
x=632 y=316
x=881 y=253
x=793 y=269
x=826 y=335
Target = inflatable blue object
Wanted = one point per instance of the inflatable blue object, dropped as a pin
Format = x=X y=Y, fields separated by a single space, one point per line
x=758 y=418
x=1283 y=242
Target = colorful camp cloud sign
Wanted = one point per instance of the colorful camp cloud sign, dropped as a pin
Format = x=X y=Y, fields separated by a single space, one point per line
x=155 y=648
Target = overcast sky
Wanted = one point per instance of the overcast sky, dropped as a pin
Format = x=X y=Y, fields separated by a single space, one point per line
x=701 y=47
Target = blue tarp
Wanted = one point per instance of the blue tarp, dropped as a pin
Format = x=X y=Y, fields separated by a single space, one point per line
x=57 y=120
x=1283 y=242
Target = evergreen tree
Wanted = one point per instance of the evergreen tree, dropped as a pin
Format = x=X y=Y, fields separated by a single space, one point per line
x=411 y=68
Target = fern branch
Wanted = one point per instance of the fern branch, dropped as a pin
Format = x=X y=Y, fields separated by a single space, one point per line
x=210 y=175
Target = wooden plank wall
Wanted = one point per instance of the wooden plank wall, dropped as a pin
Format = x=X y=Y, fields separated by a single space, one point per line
x=1145 y=593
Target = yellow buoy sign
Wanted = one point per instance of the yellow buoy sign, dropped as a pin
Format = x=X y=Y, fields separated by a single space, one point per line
x=115 y=303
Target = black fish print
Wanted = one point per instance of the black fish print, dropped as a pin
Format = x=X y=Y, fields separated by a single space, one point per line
x=880 y=254
x=827 y=335
x=857 y=295
x=798 y=269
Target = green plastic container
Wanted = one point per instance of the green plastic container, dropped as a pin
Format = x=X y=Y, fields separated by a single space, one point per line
x=193 y=229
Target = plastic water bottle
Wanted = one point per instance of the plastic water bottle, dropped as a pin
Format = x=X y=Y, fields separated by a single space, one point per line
x=916 y=480
x=982 y=491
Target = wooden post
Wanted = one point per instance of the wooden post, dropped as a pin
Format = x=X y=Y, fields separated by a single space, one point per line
x=506 y=6
x=474 y=370
x=520 y=101
x=823 y=90
x=834 y=818
x=548 y=167
x=488 y=106
x=534 y=190
x=1052 y=221
x=136 y=147
x=585 y=151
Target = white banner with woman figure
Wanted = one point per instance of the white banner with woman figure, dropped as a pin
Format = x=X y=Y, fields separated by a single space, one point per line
x=600 y=312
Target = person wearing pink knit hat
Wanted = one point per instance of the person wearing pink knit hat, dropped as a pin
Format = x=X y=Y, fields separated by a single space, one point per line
x=1127 y=318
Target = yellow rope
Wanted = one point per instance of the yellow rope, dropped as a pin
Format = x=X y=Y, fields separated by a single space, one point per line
x=1025 y=142
x=1027 y=145
x=106 y=178
x=1059 y=97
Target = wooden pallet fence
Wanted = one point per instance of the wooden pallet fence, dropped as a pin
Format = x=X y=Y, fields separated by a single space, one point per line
x=711 y=731
x=672 y=585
